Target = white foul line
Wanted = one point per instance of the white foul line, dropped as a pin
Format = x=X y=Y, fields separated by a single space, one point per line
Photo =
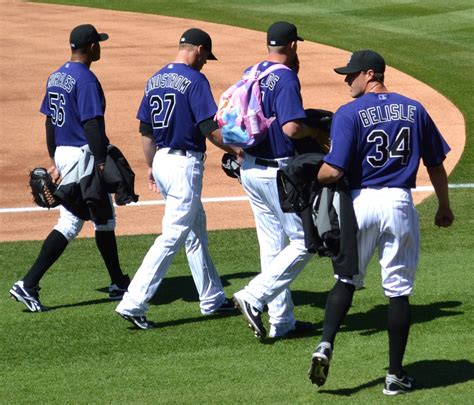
x=140 y=203
x=210 y=200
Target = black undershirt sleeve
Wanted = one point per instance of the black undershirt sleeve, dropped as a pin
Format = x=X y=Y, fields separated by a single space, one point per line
x=146 y=129
x=96 y=138
x=208 y=126
x=50 y=141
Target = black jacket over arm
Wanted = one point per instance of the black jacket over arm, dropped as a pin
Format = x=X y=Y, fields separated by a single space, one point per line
x=329 y=222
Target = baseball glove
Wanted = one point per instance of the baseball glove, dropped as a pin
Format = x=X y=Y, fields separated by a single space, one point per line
x=317 y=118
x=230 y=166
x=43 y=188
x=320 y=120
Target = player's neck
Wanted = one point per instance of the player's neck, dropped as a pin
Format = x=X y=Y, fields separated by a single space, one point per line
x=184 y=56
x=78 y=58
x=376 y=87
x=277 y=58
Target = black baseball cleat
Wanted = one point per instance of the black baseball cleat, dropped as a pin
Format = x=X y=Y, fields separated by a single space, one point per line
x=319 y=367
x=116 y=291
x=28 y=296
x=226 y=307
x=139 y=321
x=395 y=385
x=299 y=329
x=253 y=316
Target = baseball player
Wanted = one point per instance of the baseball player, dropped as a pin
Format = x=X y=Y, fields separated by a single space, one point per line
x=377 y=141
x=280 y=235
x=176 y=115
x=74 y=105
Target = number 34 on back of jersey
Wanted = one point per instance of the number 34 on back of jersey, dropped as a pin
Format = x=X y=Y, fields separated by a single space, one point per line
x=400 y=148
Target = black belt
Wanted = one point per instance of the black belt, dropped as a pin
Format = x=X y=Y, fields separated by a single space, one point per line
x=182 y=152
x=179 y=152
x=267 y=163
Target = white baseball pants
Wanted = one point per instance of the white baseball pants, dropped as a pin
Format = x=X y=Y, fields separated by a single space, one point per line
x=282 y=250
x=179 y=179
x=387 y=219
x=65 y=157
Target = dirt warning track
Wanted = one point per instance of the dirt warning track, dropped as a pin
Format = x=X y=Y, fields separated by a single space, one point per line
x=139 y=45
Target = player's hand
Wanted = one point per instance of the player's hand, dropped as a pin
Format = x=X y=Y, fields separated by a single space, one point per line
x=54 y=173
x=444 y=217
x=240 y=155
x=151 y=181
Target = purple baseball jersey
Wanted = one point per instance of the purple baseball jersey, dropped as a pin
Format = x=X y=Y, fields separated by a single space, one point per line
x=379 y=139
x=177 y=99
x=281 y=96
x=73 y=96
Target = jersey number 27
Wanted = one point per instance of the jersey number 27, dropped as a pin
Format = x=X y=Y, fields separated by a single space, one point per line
x=162 y=108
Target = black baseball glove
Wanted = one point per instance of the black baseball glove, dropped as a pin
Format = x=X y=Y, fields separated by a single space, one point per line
x=320 y=120
x=43 y=188
x=317 y=118
x=230 y=166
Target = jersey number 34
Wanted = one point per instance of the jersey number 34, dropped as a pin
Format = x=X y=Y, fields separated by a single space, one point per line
x=400 y=148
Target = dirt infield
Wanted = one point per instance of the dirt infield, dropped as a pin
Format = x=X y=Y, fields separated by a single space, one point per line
x=139 y=45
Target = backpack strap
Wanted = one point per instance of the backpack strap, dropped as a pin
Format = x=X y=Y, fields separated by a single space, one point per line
x=254 y=103
x=228 y=93
x=271 y=69
x=252 y=73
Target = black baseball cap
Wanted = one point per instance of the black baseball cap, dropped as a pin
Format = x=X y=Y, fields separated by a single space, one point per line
x=195 y=36
x=282 y=33
x=363 y=60
x=84 y=35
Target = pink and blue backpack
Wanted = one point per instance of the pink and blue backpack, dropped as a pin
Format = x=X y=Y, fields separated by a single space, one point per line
x=240 y=115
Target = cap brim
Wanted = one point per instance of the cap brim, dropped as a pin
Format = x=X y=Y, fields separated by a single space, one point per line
x=345 y=70
x=299 y=38
x=103 y=37
x=211 y=56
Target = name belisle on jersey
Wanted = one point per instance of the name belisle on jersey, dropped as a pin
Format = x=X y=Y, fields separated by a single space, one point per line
x=168 y=80
x=386 y=113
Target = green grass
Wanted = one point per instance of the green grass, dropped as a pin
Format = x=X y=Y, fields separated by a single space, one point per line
x=81 y=352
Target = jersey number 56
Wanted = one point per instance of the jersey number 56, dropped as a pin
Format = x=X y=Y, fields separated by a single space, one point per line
x=56 y=105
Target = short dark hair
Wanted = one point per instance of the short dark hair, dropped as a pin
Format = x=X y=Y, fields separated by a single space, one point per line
x=379 y=77
x=81 y=51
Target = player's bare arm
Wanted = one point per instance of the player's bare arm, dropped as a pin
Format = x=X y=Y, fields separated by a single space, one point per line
x=149 y=150
x=328 y=174
x=444 y=217
x=215 y=138
x=299 y=130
